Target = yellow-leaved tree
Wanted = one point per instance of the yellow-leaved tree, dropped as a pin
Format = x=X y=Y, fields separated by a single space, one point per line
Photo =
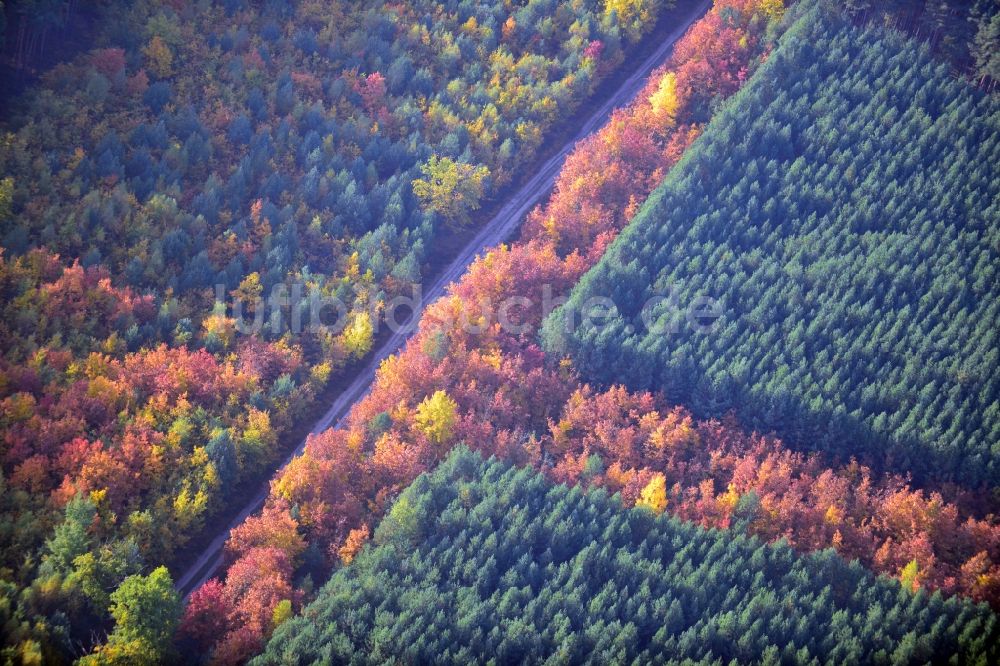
x=451 y=189
x=281 y=613
x=159 y=57
x=358 y=336
x=218 y=329
x=654 y=495
x=773 y=10
x=634 y=16
x=909 y=576
x=257 y=441
x=664 y=101
x=436 y=416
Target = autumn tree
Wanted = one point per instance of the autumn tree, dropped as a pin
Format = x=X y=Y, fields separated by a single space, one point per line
x=109 y=62
x=451 y=189
x=358 y=335
x=635 y=16
x=255 y=585
x=356 y=540
x=436 y=416
x=159 y=57
x=274 y=528
x=664 y=102
x=654 y=495
x=205 y=616
x=282 y=613
x=372 y=89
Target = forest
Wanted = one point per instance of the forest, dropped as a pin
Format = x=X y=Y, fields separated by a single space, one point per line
x=479 y=560
x=497 y=392
x=843 y=213
x=240 y=148
x=344 y=146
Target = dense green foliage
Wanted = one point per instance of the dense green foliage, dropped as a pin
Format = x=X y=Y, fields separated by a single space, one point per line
x=958 y=31
x=479 y=560
x=146 y=610
x=844 y=209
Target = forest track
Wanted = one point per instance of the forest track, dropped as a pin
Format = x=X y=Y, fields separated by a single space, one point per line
x=500 y=228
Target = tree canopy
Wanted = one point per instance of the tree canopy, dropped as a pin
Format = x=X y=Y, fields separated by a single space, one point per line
x=451 y=189
x=189 y=153
x=843 y=210
x=512 y=569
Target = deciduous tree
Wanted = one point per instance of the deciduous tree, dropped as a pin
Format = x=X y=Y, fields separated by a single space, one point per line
x=451 y=189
